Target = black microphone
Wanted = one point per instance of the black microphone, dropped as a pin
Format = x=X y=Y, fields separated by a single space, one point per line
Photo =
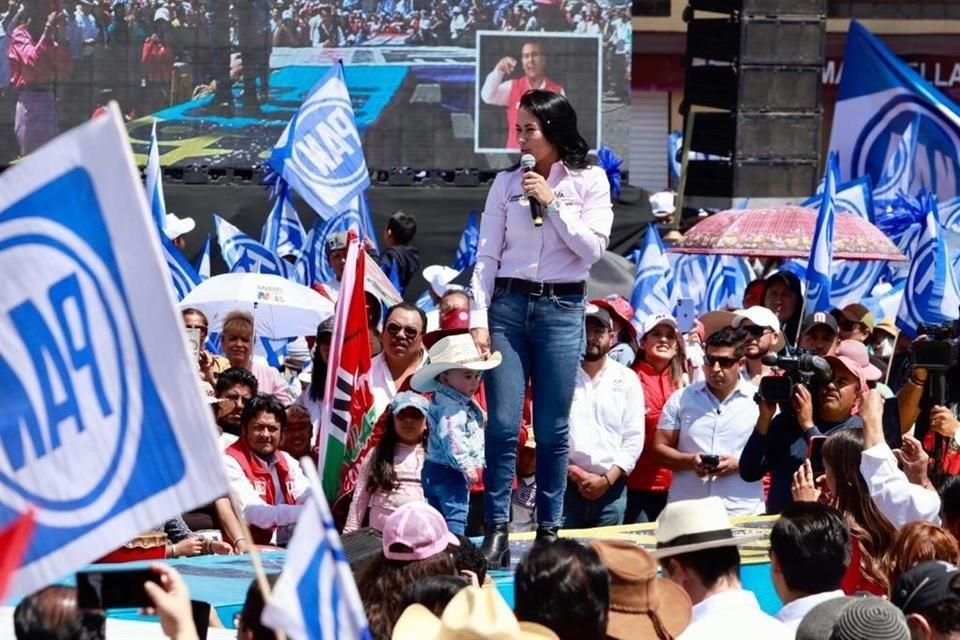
x=527 y=163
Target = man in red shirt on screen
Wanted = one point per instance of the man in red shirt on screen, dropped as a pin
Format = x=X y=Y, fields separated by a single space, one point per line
x=507 y=93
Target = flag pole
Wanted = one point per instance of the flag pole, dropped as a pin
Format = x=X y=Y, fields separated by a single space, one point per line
x=259 y=574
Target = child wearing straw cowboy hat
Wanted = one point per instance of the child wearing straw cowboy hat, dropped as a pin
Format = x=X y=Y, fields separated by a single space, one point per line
x=455 y=454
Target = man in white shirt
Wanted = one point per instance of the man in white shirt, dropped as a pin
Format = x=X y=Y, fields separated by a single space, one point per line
x=704 y=427
x=403 y=353
x=606 y=431
x=697 y=550
x=267 y=485
x=809 y=554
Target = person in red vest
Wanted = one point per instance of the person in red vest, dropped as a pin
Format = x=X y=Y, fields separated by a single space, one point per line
x=507 y=93
x=268 y=486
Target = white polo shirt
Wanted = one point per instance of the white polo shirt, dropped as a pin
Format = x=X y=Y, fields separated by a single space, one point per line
x=607 y=419
x=709 y=426
x=733 y=615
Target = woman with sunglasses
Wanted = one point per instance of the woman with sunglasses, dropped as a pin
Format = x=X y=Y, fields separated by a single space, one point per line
x=528 y=287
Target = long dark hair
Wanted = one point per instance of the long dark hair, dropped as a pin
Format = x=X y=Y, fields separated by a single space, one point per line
x=875 y=533
x=382 y=474
x=558 y=121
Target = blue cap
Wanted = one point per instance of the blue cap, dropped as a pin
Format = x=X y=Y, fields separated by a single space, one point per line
x=406 y=399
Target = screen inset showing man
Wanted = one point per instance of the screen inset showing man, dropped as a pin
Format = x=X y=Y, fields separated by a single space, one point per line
x=506 y=93
x=510 y=64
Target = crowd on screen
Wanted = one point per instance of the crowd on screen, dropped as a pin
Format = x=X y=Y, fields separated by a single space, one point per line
x=151 y=54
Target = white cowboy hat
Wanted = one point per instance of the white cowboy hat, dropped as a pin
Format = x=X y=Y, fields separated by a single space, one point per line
x=440 y=277
x=175 y=226
x=452 y=352
x=686 y=526
x=473 y=614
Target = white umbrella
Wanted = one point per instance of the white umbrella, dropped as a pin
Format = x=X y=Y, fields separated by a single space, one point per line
x=281 y=308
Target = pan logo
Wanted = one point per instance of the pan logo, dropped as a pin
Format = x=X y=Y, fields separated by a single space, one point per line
x=326 y=141
x=908 y=145
x=68 y=365
x=919 y=291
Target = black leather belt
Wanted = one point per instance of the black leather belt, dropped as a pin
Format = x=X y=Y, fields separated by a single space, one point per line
x=538 y=289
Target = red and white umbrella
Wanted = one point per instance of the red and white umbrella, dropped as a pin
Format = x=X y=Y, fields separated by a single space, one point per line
x=784 y=232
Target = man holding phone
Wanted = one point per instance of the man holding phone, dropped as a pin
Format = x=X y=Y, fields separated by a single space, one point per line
x=704 y=427
x=779 y=444
x=210 y=365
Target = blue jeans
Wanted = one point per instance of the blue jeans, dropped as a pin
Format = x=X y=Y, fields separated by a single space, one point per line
x=605 y=511
x=541 y=340
x=446 y=489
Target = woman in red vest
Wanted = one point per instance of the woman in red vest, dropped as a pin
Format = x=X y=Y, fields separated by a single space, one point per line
x=659 y=366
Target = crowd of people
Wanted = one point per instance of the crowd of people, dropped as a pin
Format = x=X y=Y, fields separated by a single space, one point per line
x=518 y=405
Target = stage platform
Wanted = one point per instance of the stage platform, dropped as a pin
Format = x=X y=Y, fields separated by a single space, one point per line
x=223 y=580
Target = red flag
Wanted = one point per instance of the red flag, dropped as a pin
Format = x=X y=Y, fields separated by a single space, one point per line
x=347 y=427
x=14 y=540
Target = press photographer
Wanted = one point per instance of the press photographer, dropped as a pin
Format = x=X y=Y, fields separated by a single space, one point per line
x=820 y=402
x=932 y=395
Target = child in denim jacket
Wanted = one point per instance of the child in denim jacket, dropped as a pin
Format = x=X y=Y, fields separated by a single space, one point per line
x=455 y=424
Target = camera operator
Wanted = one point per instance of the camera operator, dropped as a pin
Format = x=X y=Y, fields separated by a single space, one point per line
x=779 y=443
x=932 y=409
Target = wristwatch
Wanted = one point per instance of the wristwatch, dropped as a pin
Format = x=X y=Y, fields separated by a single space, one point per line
x=553 y=207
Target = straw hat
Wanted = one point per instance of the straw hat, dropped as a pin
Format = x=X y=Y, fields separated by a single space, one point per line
x=452 y=352
x=686 y=526
x=473 y=614
x=638 y=596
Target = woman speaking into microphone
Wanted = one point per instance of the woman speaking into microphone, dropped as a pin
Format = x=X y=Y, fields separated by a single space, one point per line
x=528 y=304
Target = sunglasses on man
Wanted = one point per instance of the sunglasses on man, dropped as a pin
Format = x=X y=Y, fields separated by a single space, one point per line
x=394 y=329
x=723 y=361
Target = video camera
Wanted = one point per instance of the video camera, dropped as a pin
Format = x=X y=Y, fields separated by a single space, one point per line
x=939 y=351
x=802 y=368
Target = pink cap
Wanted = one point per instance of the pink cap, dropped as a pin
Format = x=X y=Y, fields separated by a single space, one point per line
x=853 y=355
x=419 y=526
x=857 y=351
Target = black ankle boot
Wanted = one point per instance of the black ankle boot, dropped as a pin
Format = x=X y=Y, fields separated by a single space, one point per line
x=496 y=546
x=547 y=534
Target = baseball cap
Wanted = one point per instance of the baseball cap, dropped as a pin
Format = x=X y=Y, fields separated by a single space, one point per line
x=925 y=586
x=326 y=326
x=758 y=315
x=175 y=226
x=820 y=318
x=418 y=526
x=856 y=312
x=337 y=241
x=857 y=351
x=406 y=399
x=655 y=320
x=599 y=314
x=852 y=360
x=761 y=317
x=619 y=307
